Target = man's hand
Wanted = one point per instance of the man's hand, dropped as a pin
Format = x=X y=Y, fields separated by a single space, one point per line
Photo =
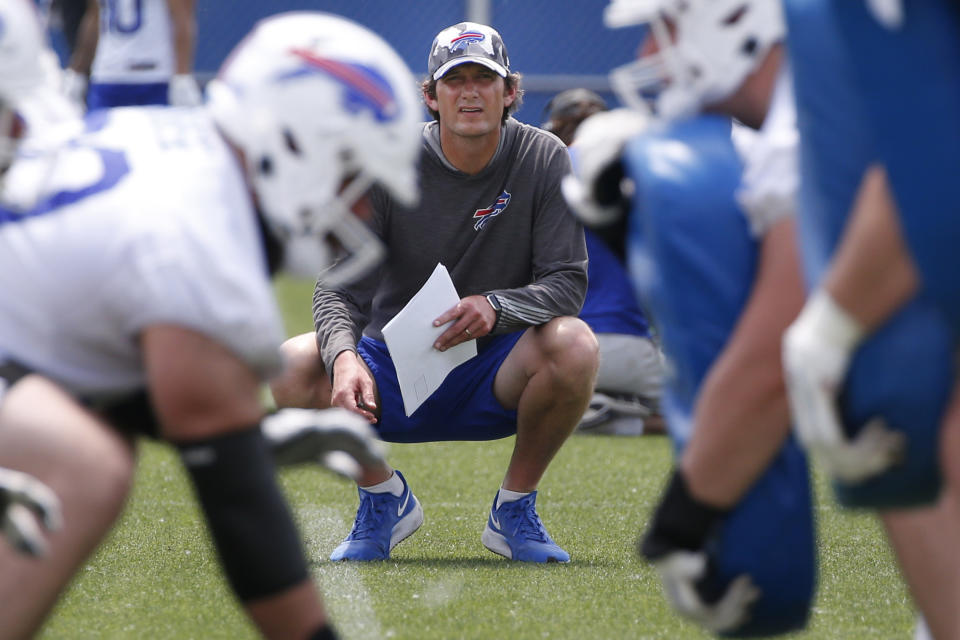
x=353 y=386
x=472 y=318
x=335 y=438
x=674 y=544
x=816 y=354
x=23 y=499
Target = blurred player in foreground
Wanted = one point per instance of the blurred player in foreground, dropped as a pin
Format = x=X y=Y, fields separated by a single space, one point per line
x=134 y=53
x=711 y=248
x=871 y=360
x=491 y=212
x=135 y=299
x=626 y=400
x=30 y=105
x=690 y=68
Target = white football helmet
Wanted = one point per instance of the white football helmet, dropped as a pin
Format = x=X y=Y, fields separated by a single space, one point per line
x=321 y=108
x=716 y=45
x=29 y=81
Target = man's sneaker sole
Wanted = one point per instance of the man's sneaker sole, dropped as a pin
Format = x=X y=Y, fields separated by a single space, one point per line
x=498 y=544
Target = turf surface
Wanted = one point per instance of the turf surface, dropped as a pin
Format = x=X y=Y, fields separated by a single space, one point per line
x=157 y=576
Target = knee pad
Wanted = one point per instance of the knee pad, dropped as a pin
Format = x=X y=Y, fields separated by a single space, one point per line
x=252 y=529
x=770 y=537
x=903 y=374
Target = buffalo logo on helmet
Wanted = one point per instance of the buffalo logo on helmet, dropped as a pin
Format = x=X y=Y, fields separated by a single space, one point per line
x=482 y=216
x=365 y=87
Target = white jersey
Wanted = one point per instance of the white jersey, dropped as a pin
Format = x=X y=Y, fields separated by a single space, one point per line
x=771 y=173
x=135 y=45
x=145 y=219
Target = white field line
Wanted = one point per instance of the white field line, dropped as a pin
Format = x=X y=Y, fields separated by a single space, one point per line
x=348 y=603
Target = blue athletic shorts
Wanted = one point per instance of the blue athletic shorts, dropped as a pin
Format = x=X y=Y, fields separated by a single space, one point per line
x=463 y=408
x=105 y=96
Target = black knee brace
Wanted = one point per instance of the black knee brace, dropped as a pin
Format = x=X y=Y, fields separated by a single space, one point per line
x=252 y=528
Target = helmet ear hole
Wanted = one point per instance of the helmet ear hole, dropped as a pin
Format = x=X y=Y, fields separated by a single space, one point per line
x=265 y=166
x=291 y=142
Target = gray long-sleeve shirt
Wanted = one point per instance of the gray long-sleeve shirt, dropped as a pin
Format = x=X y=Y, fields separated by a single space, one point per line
x=505 y=230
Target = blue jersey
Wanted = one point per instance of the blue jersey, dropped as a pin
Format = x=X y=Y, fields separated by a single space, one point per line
x=611 y=304
x=694 y=257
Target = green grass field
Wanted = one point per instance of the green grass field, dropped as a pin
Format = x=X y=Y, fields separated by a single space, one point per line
x=156 y=576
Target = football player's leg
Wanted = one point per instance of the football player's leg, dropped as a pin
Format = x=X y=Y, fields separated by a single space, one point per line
x=89 y=466
x=925 y=543
x=304 y=381
x=548 y=377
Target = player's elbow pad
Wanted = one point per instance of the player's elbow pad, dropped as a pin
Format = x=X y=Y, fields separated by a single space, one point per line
x=253 y=530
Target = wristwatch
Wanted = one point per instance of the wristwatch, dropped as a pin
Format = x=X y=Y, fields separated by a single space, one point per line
x=492 y=299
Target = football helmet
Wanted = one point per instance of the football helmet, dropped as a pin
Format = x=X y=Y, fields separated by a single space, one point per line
x=29 y=81
x=705 y=50
x=321 y=108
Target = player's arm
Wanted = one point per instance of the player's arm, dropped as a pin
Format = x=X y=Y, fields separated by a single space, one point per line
x=871 y=276
x=559 y=261
x=741 y=420
x=88 y=33
x=207 y=402
x=184 y=91
x=184 y=34
x=742 y=415
x=77 y=73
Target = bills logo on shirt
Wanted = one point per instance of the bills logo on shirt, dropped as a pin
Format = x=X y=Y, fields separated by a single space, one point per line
x=482 y=216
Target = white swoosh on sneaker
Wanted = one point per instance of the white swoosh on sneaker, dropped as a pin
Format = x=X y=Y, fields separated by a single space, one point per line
x=403 y=505
x=496 y=522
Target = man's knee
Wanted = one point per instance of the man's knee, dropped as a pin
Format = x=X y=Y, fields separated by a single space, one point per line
x=572 y=349
x=303 y=381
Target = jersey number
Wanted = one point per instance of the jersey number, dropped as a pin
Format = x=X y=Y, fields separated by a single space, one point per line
x=122 y=16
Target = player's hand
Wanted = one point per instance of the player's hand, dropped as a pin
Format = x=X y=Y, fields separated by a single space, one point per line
x=353 y=386
x=184 y=91
x=335 y=438
x=680 y=573
x=73 y=86
x=471 y=318
x=675 y=544
x=816 y=355
x=23 y=499
x=593 y=190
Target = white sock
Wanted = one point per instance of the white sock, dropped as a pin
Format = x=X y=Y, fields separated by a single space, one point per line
x=505 y=495
x=393 y=484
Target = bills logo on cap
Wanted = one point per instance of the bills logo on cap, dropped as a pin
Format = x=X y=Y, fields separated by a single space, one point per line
x=464 y=39
x=482 y=216
x=365 y=87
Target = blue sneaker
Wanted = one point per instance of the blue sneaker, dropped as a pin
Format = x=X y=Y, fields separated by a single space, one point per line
x=383 y=520
x=515 y=531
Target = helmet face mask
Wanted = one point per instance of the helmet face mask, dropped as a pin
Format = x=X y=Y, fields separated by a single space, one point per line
x=314 y=101
x=705 y=50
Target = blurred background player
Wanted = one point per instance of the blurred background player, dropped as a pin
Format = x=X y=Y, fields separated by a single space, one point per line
x=136 y=300
x=626 y=400
x=135 y=52
x=877 y=98
x=492 y=212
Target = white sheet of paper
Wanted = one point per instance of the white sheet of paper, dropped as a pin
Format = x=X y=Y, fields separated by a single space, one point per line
x=410 y=336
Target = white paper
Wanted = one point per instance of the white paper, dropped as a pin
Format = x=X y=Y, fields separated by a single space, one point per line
x=410 y=336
